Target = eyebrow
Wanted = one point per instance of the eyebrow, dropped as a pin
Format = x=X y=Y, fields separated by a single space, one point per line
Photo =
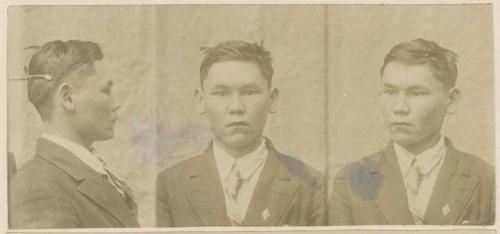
x=409 y=87
x=110 y=83
x=251 y=85
x=219 y=86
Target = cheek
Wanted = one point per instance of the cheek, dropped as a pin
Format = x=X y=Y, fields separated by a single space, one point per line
x=385 y=106
x=98 y=108
x=100 y=105
x=430 y=114
x=258 y=109
x=215 y=111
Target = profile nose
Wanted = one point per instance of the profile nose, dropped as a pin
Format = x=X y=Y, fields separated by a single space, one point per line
x=116 y=106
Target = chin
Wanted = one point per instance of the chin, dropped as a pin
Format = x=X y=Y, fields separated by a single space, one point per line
x=238 y=140
x=105 y=136
x=404 y=139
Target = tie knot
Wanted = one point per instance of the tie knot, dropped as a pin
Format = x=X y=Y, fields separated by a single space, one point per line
x=235 y=170
x=234 y=180
x=415 y=165
x=414 y=176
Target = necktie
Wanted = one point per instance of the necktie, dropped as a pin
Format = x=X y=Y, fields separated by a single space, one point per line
x=233 y=185
x=413 y=180
x=113 y=180
x=118 y=184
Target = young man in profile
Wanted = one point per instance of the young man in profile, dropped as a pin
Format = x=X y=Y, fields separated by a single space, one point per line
x=420 y=177
x=66 y=184
x=240 y=179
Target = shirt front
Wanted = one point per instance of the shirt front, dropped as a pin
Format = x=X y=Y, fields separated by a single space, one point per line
x=429 y=162
x=250 y=166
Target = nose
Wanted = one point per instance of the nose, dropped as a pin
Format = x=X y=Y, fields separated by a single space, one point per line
x=115 y=106
x=236 y=105
x=401 y=105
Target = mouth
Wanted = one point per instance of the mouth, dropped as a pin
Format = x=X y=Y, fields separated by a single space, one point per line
x=113 y=121
x=400 y=124
x=238 y=124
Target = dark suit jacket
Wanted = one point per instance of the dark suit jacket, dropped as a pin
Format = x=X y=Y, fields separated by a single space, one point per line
x=372 y=191
x=57 y=190
x=190 y=194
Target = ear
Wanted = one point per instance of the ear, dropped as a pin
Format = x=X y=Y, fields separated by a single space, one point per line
x=454 y=98
x=275 y=96
x=64 y=93
x=200 y=101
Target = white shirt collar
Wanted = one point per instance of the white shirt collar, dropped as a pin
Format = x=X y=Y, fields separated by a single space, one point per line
x=247 y=164
x=426 y=160
x=81 y=152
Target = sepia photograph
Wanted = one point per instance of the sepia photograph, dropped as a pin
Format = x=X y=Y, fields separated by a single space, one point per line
x=250 y=115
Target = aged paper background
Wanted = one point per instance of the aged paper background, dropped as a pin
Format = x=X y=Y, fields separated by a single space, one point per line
x=338 y=232
x=326 y=61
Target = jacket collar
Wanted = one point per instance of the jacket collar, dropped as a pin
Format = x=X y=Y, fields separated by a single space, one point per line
x=452 y=189
x=386 y=187
x=273 y=192
x=63 y=159
x=85 y=155
x=92 y=184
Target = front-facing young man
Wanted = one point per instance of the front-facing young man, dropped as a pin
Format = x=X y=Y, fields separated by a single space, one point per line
x=66 y=184
x=241 y=179
x=420 y=177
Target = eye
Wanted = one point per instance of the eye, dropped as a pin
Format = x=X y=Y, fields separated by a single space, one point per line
x=251 y=91
x=389 y=92
x=219 y=92
x=418 y=93
x=107 y=90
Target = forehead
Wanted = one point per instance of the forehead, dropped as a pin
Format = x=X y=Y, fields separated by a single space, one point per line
x=234 y=73
x=402 y=75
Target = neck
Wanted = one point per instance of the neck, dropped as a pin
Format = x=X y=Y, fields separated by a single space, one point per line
x=63 y=131
x=239 y=151
x=424 y=144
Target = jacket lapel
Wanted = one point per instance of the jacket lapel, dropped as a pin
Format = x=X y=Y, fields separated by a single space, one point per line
x=205 y=191
x=452 y=190
x=386 y=186
x=130 y=200
x=99 y=191
x=92 y=185
x=273 y=193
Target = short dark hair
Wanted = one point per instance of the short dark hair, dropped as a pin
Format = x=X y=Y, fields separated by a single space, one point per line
x=57 y=59
x=238 y=50
x=441 y=61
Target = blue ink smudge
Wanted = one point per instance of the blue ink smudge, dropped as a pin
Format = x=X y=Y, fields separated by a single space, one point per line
x=153 y=141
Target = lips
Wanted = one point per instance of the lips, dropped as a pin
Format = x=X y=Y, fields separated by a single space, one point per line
x=401 y=124
x=238 y=124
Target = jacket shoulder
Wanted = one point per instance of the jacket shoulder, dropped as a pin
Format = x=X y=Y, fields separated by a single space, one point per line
x=475 y=165
x=38 y=179
x=362 y=166
x=181 y=168
x=300 y=169
x=39 y=171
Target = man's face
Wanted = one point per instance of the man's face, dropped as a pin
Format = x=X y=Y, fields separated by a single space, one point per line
x=236 y=99
x=94 y=114
x=414 y=103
